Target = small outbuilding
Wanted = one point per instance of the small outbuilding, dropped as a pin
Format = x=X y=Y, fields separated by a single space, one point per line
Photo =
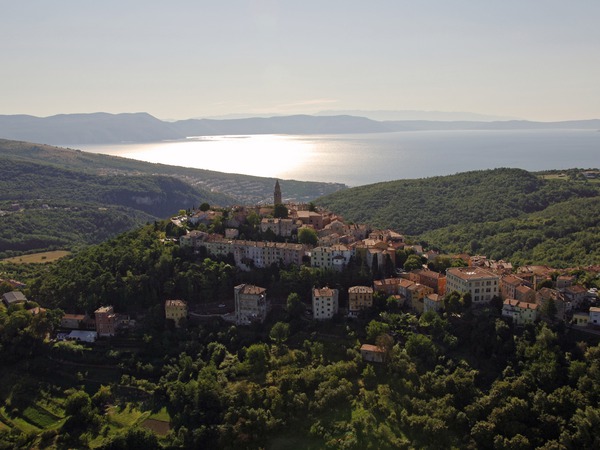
x=82 y=336
x=13 y=298
x=372 y=353
x=72 y=321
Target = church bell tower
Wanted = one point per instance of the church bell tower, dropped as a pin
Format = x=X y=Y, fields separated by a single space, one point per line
x=277 y=194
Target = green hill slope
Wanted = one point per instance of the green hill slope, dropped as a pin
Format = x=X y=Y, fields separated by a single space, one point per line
x=563 y=235
x=56 y=198
x=222 y=188
x=46 y=207
x=417 y=206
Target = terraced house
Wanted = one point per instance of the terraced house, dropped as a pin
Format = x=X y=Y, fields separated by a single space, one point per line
x=248 y=254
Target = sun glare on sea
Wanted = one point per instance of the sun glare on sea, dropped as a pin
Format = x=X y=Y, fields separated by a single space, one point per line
x=261 y=155
x=266 y=155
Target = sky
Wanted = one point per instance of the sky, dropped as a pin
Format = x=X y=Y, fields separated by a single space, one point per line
x=532 y=59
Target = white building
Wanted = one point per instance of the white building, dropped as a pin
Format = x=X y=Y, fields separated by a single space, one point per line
x=594 y=316
x=480 y=283
x=520 y=312
x=335 y=257
x=324 y=303
x=248 y=254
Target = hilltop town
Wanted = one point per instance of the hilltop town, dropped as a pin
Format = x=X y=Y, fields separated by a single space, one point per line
x=528 y=293
x=230 y=297
x=412 y=278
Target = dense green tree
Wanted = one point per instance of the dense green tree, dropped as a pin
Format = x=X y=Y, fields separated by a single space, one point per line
x=133 y=438
x=257 y=356
x=294 y=305
x=280 y=211
x=421 y=348
x=413 y=262
x=280 y=332
x=376 y=328
x=307 y=236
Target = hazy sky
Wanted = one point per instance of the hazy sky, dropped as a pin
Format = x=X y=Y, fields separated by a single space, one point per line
x=535 y=59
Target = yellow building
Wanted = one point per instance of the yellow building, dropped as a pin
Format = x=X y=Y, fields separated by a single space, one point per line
x=176 y=310
x=416 y=294
x=581 y=318
x=359 y=297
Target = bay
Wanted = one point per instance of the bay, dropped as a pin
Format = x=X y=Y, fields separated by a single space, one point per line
x=358 y=159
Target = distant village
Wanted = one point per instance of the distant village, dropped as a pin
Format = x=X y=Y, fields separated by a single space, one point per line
x=528 y=293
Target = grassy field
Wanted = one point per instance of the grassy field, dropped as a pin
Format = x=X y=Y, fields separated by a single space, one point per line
x=38 y=416
x=555 y=176
x=45 y=257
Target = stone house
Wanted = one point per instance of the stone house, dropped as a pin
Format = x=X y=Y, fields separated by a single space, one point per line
x=509 y=285
x=176 y=310
x=72 y=321
x=575 y=295
x=251 y=304
x=389 y=286
x=433 y=302
x=546 y=295
x=525 y=294
x=106 y=321
x=564 y=281
x=430 y=278
x=416 y=296
x=372 y=353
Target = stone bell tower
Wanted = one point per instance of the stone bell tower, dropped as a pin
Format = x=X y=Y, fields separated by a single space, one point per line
x=277 y=194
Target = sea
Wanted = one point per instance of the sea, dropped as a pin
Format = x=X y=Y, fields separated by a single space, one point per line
x=359 y=159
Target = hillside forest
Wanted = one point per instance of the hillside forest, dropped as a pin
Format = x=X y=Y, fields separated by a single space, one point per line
x=467 y=379
x=548 y=218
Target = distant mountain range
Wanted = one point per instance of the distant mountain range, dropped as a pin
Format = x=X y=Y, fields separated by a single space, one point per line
x=104 y=128
x=450 y=116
